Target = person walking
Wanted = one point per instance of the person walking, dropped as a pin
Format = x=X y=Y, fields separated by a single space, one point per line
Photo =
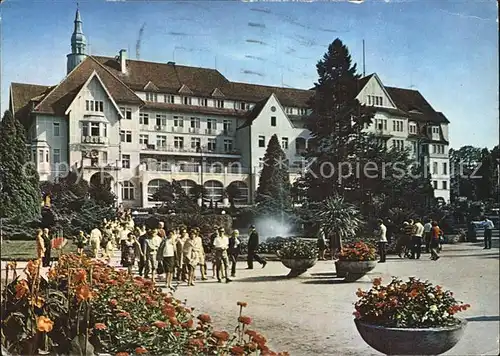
x=129 y=251
x=200 y=254
x=80 y=242
x=190 y=257
x=181 y=269
x=417 y=240
x=321 y=243
x=234 y=250
x=95 y=241
x=142 y=251
x=166 y=252
x=488 y=231
x=434 y=245
x=409 y=231
x=428 y=235
x=48 y=248
x=221 y=245
x=40 y=244
x=382 y=240
x=253 y=245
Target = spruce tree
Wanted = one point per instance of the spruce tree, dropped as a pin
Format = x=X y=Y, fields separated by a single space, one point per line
x=274 y=191
x=20 y=197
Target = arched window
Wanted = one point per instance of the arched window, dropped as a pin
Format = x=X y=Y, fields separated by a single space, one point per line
x=154 y=186
x=187 y=185
x=240 y=191
x=128 y=190
x=214 y=190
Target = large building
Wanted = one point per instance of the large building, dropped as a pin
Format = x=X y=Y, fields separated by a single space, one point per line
x=141 y=124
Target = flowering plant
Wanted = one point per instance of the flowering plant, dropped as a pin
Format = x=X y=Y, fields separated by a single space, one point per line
x=410 y=304
x=358 y=251
x=298 y=249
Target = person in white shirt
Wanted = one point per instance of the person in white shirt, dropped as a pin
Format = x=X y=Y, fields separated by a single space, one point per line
x=95 y=241
x=221 y=244
x=417 y=240
x=488 y=230
x=428 y=235
x=153 y=241
x=382 y=241
x=166 y=253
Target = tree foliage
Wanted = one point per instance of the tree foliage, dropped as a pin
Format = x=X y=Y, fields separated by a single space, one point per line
x=20 y=197
x=173 y=197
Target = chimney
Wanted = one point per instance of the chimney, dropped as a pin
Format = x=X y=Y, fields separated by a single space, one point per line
x=123 y=60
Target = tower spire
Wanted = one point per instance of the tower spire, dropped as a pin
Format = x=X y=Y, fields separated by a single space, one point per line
x=78 y=43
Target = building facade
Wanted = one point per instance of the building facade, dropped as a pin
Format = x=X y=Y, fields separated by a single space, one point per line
x=140 y=124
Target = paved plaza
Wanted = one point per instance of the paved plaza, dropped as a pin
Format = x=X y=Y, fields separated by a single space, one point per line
x=312 y=315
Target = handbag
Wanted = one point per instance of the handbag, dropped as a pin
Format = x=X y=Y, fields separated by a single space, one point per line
x=160 y=269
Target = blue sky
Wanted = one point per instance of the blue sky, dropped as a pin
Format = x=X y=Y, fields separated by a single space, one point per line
x=446 y=49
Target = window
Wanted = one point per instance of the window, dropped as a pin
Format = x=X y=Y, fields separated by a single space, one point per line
x=186 y=100
x=398 y=144
x=445 y=168
x=179 y=142
x=195 y=142
x=161 y=141
x=435 y=184
x=228 y=145
x=284 y=143
x=397 y=125
x=380 y=124
x=85 y=129
x=126 y=112
x=212 y=144
x=302 y=111
x=125 y=161
x=40 y=156
x=444 y=185
x=169 y=99
x=434 y=168
x=434 y=148
x=219 y=104
x=47 y=156
x=202 y=102
x=152 y=97
x=289 y=110
x=262 y=141
x=440 y=149
x=212 y=124
x=56 y=129
x=126 y=136
x=94 y=129
x=94 y=105
x=273 y=120
x=104 y=157
x=226 y=124
x=56 y=155
x=195 y=122
x=412 y=129
x=261 y=162
x=241 y=106
x=127 y=191
x=178 y=121
x=161 y=120
x=414 y=147
x=144 y=139
x=435 y=130
x=144 y=118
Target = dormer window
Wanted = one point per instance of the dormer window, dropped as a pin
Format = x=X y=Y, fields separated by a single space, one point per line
x=375 y=100
x=186 y=100
x=219 y=104
x=94 y=105
x=288 y=110
x=169 y=99
x=202 y=102
x=435 y=130
x=412 y=128
x=152 y=97
x=241 y=105
x=302 y=111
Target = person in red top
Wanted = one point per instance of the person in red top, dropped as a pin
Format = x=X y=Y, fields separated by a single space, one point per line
x=434 y=245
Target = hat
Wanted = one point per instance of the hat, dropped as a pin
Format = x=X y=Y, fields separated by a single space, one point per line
x=252 y=226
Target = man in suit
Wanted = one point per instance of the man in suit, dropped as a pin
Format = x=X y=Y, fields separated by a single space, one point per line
x=253 y=245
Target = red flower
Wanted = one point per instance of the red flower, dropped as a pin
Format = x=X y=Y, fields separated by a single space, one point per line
x=237 y=350
x=413 y=293
x=80 y=276
x=168 y=311
x=251 y=333
x=245 y=320
x=177 y=334
x=124 y=314
x=160 y=324
x=377 y=281
x=196 y=342
x=251 y=346
x=122 y=354
x=173 y=320
x=140 y=350
x=188 y=324
x=100 y=326
x=113 y=302
x=204 y=318
x=221 y=335
x=242 y=304
x=143 y=328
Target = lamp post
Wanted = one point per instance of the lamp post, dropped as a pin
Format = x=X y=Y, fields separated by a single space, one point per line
x=199 y=150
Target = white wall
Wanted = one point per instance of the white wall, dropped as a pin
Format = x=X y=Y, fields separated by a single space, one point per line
x=373 y=87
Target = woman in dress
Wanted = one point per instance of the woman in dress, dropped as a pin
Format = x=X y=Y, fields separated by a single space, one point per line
x=166 y=254
x=80 y=241
x=129 y=252
x=40 y=244
x=190 y=257
x=200 y=254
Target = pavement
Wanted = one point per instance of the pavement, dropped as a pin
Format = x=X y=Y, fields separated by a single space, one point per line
x=312 y=315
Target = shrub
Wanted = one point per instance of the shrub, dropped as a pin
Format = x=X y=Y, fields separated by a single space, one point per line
x=123 y=315
x=358 y=251
x=410 y=304
x=298 y=249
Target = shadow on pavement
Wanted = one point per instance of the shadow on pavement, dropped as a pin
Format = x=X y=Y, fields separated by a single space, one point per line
x=324 y=274
x=484 y=255
x=262 y=279
x=325 y=281
x=484 y=318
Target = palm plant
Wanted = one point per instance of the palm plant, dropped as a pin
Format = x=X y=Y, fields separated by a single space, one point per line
x=339 y=219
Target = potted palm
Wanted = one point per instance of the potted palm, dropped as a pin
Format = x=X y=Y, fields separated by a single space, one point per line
x=409 y=318
x=355 y=260
x=298 y=255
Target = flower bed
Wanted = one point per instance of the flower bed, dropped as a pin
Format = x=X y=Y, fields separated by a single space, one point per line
x=410 y=304
x=298 y=249
x=88 y=305
x=358 y=251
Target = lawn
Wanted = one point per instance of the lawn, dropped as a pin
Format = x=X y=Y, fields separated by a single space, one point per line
x=26 y=250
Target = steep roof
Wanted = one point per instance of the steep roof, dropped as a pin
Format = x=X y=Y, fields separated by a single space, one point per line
x=252 y=114
x=24 y=96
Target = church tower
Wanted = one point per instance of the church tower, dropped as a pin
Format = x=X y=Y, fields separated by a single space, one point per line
x=78 y=44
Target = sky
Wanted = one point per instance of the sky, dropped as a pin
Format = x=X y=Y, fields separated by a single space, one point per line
x=448 y=49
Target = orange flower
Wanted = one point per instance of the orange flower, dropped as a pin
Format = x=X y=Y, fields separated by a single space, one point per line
x=32 y=267
x=143 y=328
x=237 y=350
x=242 y=304
x=122 y=354
x=140 y=350
x=413 y=293
x=360 y=293
x=204 y=318
x=377 y=281
x=168 y=311
x=251 y=346
x=173 y=320
x=221 y=335
x=160 y=324
x=124 y=314
x=113 y=302
x=245 y=320
x=188 y=324
x=52 y=273
x=196 y=342
x=44 y=324
x=21 y=289
x=100 y=326
x=37 y=301
x=83 y=293
x=80 y=276
x=251 y=333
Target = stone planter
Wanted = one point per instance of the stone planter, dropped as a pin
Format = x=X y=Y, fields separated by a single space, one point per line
x=403 y=341
x=298 y=265
x=353 y=270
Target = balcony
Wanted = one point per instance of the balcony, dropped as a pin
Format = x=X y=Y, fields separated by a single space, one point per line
x=195 y=130
x=177 y=129
x=95 y=140
x=189 y=150
x=211 y=131
x=195 y=168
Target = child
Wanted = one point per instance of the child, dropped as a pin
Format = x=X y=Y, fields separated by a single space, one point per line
x=80 y=241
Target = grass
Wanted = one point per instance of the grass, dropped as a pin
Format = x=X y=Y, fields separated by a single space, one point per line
x=26 y=250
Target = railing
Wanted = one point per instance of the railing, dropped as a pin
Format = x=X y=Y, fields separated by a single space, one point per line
x=195 y=169
x=169 y=148
x=97 y=140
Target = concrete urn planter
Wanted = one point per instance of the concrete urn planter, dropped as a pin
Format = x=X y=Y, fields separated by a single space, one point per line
x=353 y=270
x=407 y=341
x=298 y=266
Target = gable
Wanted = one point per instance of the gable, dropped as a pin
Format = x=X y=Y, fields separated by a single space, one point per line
x=24 y=97
x=184 y=89
x=270 y=107
x=375 y=88
x=151 y=86
x=217 y=93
